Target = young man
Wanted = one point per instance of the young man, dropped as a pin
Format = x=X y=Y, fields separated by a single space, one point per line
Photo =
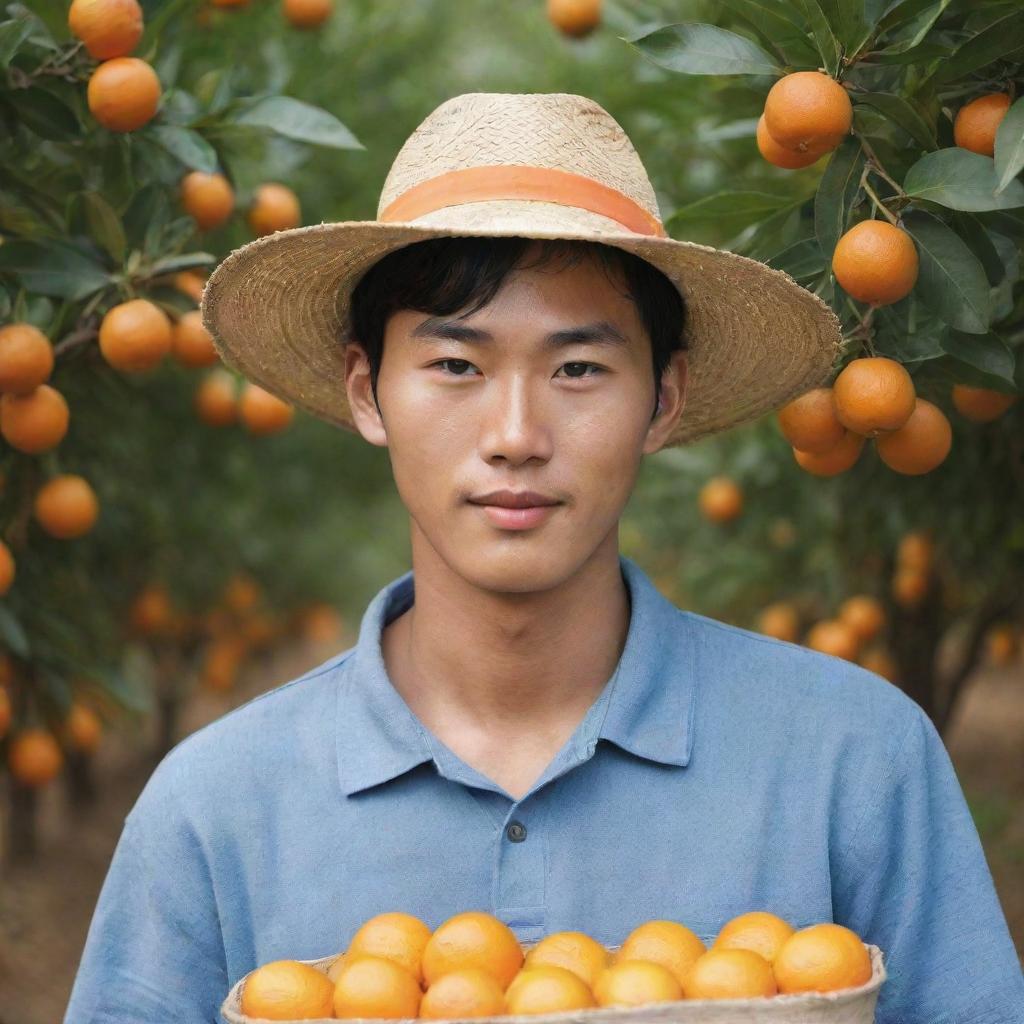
x=525 y=725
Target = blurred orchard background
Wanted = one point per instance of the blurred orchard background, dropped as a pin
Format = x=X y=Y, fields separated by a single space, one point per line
x=176 y=541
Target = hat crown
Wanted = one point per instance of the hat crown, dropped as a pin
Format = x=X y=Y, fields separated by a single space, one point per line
x=561 y=131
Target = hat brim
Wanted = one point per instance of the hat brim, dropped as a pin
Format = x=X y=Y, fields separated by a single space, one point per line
x=277 y=309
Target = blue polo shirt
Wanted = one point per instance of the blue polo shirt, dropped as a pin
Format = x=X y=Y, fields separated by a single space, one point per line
x=718 y=772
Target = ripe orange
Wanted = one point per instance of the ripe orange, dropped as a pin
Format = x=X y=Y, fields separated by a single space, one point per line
x=221 y=662
x=34 y=757
x=262 y=412
x=242 y=594
x=808 y=111
x=982 y=405
x=123 y=94
x=780 y=156
x=636 y=983
x=780 y=620
x=473 y=939
x=976 y=123
x=575 y=951
x=82 y=728
x=835 y=460
x=6 y=712
x=216 y=404
x=921 y=444
x=26 y=358
x=321 y=624
x=864 y=615
x=721 y=499
x=916 y=550
x=822 y=958
x=191 y=342
x=575 y=18
x=877 y=660
x=66 y=507
x=287 y=990
x=371 y=986
x=36 y=422
x=109 y=28
x=307 y=13
x=393 y=936
x=548 y=989
x=909 y=587
x=834 y=637
x=151 y=612
x=809 y=422
x=876 y=262
x=8 y=568
x=735 y=973
x=759 y=931
x=873 y=395
x=668 y=943
x=135 y=335
x=466 y=993
x=275 y=208
x=208 y=198
x=189 y=283
x=1000 y=644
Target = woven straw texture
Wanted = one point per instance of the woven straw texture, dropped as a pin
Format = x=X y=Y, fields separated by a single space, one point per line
x=278 y=307
x=851 y=1006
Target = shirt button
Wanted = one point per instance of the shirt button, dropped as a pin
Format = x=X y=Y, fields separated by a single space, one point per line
x=516 y=831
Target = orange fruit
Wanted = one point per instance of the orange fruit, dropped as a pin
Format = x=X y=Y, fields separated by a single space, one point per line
x=547 y=989
x=864 y=615
x=242 y=594
x=34 y=757
x=393 y=936
x=371 y=986
x=189 y=283
x=208 y=198
x=287 y=990
x=780 y=156
x=721 y=499
x=835 y=460
x=307 y=13
x=909 y=587
x=275 y=208
x=834 y=637
x=321 y=624
x=822 y=958
x=135 y=335
x=982 y=405
x=83 y=728
x=575 y=951
x=6 y=712
x=66 y=507
x=916 y=550
x=976 y=123
x=575 y=18
x=216 y=404
x=109 y=28
x=809 y=422
x=191 y=342
x=759 y=931
x=780 y=620
x=221 y=663
x=668 y=943
x=262 y=412
x=876 y=262
x=26 y=358
x=473 y=939
x=36 y=422
x=470 y=992
x=1000 y=644
x=730 y=973
x=808 y=111
x=636 y=983
x=873 y=395
x=877 y=660
x=8 y=568
x=123 y=94
x=921 y=444
x=151 y=612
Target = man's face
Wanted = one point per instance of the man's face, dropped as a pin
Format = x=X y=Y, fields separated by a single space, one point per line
x=490 y=402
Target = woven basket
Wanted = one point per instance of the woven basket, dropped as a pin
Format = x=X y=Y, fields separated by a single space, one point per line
x=850 y=1006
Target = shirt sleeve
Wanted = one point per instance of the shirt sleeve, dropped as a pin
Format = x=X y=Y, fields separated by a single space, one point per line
x=914 y=881
x=154 y=950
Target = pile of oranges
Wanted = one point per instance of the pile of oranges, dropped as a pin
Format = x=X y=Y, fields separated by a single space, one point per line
x=473 y=965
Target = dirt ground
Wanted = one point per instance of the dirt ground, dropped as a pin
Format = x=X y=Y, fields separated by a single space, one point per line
x=46 y=907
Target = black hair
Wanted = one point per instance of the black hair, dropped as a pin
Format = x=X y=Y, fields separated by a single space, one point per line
x=442 y=276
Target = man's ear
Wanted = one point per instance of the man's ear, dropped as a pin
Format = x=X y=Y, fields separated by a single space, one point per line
x=358 y=387
x=671 y=399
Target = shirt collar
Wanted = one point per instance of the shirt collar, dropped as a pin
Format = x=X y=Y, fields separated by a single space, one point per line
x=650 y=696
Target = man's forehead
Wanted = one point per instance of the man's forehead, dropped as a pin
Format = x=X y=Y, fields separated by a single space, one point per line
x=601 y=332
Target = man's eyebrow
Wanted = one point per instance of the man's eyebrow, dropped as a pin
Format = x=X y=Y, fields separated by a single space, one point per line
x=600 y=333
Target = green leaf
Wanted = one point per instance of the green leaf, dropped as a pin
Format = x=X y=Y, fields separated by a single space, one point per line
x=43 y=113
x=837 y=193
x=907 y=10
x=961 y=180
x=185 y=261
x=951 y=280
x=985 y=352
x=802 y=260
x=12 y=34
x=693 y=48
x=105 y=225
x=731 y=210
x=902 y=113
x=145 y=217
x=1009 y=158
x=923 y=53
x=17 y=217
x=917 y=18
x=179 y=107
x=53 y=268
x=1000 y=38
x=973 y=232
x=303 y=122
x=778 y=25
x=824 y=37
x=188 y=146
x=13 y=634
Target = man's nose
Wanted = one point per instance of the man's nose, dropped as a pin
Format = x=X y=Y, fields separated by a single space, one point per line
x=517 y=421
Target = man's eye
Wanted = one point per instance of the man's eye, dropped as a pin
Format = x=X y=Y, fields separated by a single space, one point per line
x=465 y=363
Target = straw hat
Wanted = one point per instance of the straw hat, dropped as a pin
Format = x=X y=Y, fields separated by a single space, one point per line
x=541 y=165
